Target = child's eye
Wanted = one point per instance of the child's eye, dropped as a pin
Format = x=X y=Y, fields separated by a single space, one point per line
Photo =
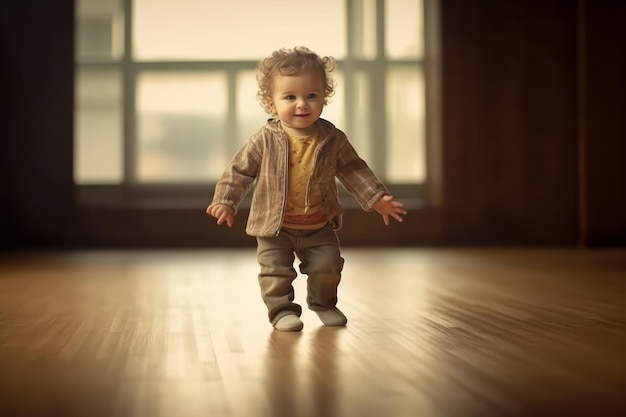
x=312 y=95
x=290 y=97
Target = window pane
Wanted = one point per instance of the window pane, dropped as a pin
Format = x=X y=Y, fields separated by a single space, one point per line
x=181 y=127
x=405 y=113
x=363 y=18
x=235 y=29
x=98 y=127
x=250 y=114
x=404 y=29
x=359 y=132
x=99 y=30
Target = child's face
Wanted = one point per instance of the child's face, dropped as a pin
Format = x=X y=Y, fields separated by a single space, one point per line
x=298 y=101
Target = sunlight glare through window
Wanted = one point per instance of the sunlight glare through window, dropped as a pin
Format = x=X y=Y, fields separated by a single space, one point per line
x=180 y=126
x=235 y=29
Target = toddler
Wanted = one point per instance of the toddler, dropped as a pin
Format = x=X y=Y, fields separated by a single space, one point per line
x=292 y=163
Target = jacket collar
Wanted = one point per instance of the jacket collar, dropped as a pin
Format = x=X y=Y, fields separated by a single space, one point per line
x=325 y=127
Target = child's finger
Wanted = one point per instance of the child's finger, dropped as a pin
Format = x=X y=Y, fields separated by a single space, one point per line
x=397 y=217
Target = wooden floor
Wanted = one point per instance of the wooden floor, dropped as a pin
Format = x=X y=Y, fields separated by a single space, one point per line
x=431 y=332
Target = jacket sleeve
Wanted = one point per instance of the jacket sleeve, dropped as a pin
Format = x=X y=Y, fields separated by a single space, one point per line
x=357 y=177
x=240 y=175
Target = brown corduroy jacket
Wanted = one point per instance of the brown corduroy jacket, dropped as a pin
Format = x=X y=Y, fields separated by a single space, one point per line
x=262 y=163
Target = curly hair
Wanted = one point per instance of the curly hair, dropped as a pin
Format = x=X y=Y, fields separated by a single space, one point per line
x=296 y=61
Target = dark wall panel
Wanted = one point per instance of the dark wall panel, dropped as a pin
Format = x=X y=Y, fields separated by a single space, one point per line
x=509 y=105
x=605 y=122
x=37 y=100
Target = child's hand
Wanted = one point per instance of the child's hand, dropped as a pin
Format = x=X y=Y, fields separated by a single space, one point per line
x=387 y=206
x=222 y=213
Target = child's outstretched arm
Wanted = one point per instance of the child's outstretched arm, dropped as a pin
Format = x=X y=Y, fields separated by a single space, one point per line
x=387 y=206
x=222 y=213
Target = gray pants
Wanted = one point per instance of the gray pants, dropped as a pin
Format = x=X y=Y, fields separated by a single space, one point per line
x=320 y=259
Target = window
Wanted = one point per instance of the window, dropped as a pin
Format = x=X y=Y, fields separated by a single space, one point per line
x=165 y=90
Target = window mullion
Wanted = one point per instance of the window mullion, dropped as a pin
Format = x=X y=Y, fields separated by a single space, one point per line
x=348 y=66
x=129 y=77
x=432 y=86
x=377 y=82
x=230 y=140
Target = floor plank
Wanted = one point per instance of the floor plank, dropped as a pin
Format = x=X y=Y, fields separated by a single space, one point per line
x=431 y=332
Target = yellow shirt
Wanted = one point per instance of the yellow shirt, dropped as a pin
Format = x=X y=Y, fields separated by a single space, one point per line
x=301 y=158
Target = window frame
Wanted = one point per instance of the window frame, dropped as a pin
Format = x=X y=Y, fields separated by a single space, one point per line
x=134 y=194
